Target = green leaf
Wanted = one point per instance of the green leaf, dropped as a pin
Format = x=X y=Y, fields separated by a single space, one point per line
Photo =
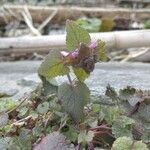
x=126 y=143
x=122 y=127
x=53 y=65
x=101 y=50
x=74 y=98
x=49 y=86
x=34 y=115
x=85 y=137
x=144 y=112
x=23 y=111
x=80 y=74
x=126 y=93
x=43 y=108
x=23 y=141
x=37 y=130
x=110 y=92
x=9 y=128
x=7 y=104
x=140 y=146
x=146 y=137
x=96 y=108
x=122 y=143
x=3 y=119
x=111 y=114
x=90 y=24
x=75 y=35
x=107 y=25
x=147 y=24
x=92 y=122
x=4 y=143
x=71 y=134
x=131 y=95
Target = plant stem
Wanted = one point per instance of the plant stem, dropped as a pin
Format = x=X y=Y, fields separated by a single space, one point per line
x=101 y=127
x=22 y=101
x=69 y=79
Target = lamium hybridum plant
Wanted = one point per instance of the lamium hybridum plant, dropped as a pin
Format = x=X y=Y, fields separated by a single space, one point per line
x=117 y=120
x=80 y=57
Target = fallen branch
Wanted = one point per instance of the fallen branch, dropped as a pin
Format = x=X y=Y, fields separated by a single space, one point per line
x=47 y=20
x=142 y=55
x=22 y=121
x=114 y=40
x=39 y=13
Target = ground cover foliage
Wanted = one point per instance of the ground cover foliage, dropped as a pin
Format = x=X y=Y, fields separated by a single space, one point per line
x=67 y=116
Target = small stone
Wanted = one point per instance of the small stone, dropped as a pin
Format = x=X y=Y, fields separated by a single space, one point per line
x=8 y=92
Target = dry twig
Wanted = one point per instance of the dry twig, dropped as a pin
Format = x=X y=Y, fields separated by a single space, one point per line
x=28 y=20
x=48 y=19
x=16 y=107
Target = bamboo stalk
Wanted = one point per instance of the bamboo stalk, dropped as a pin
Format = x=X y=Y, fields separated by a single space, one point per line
x=40 y=13
x=114 y=40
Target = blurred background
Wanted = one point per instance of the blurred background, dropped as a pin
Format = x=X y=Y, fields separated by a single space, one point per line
x=20 y=18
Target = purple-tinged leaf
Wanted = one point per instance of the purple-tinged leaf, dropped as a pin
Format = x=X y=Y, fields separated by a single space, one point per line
x=53 y=141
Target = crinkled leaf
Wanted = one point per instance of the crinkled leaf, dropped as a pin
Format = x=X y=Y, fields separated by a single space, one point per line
x=126 y=143
x=101 y=50
x=111 y=114
x=23 y=141
x=144 y=112
x=74 y=98
x=90 y=24
x=122 y=127
x=49 y=86
x=71 y=134
x=53 y=141
x=53 y=65
x=4 y=143
x=96 y=108
x=3 y=119
x=131 y=95
x=127 y=92
x=43 y=108
x=110 y=92
x=146 y=137
x=9 y=128
x=80 y=74
x=34 y=115
x=133 y=100
x=139 y=145
x=85 y=137
x=7 y=104
x=76 y=35
x=92 y=122
x=37 y=130
x=122 y=143
x=23 y=111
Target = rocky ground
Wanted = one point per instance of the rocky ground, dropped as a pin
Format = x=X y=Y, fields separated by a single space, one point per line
x=19 y=78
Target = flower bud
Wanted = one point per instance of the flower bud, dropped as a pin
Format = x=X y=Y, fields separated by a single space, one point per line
x=93 y=45
x=74 y=54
